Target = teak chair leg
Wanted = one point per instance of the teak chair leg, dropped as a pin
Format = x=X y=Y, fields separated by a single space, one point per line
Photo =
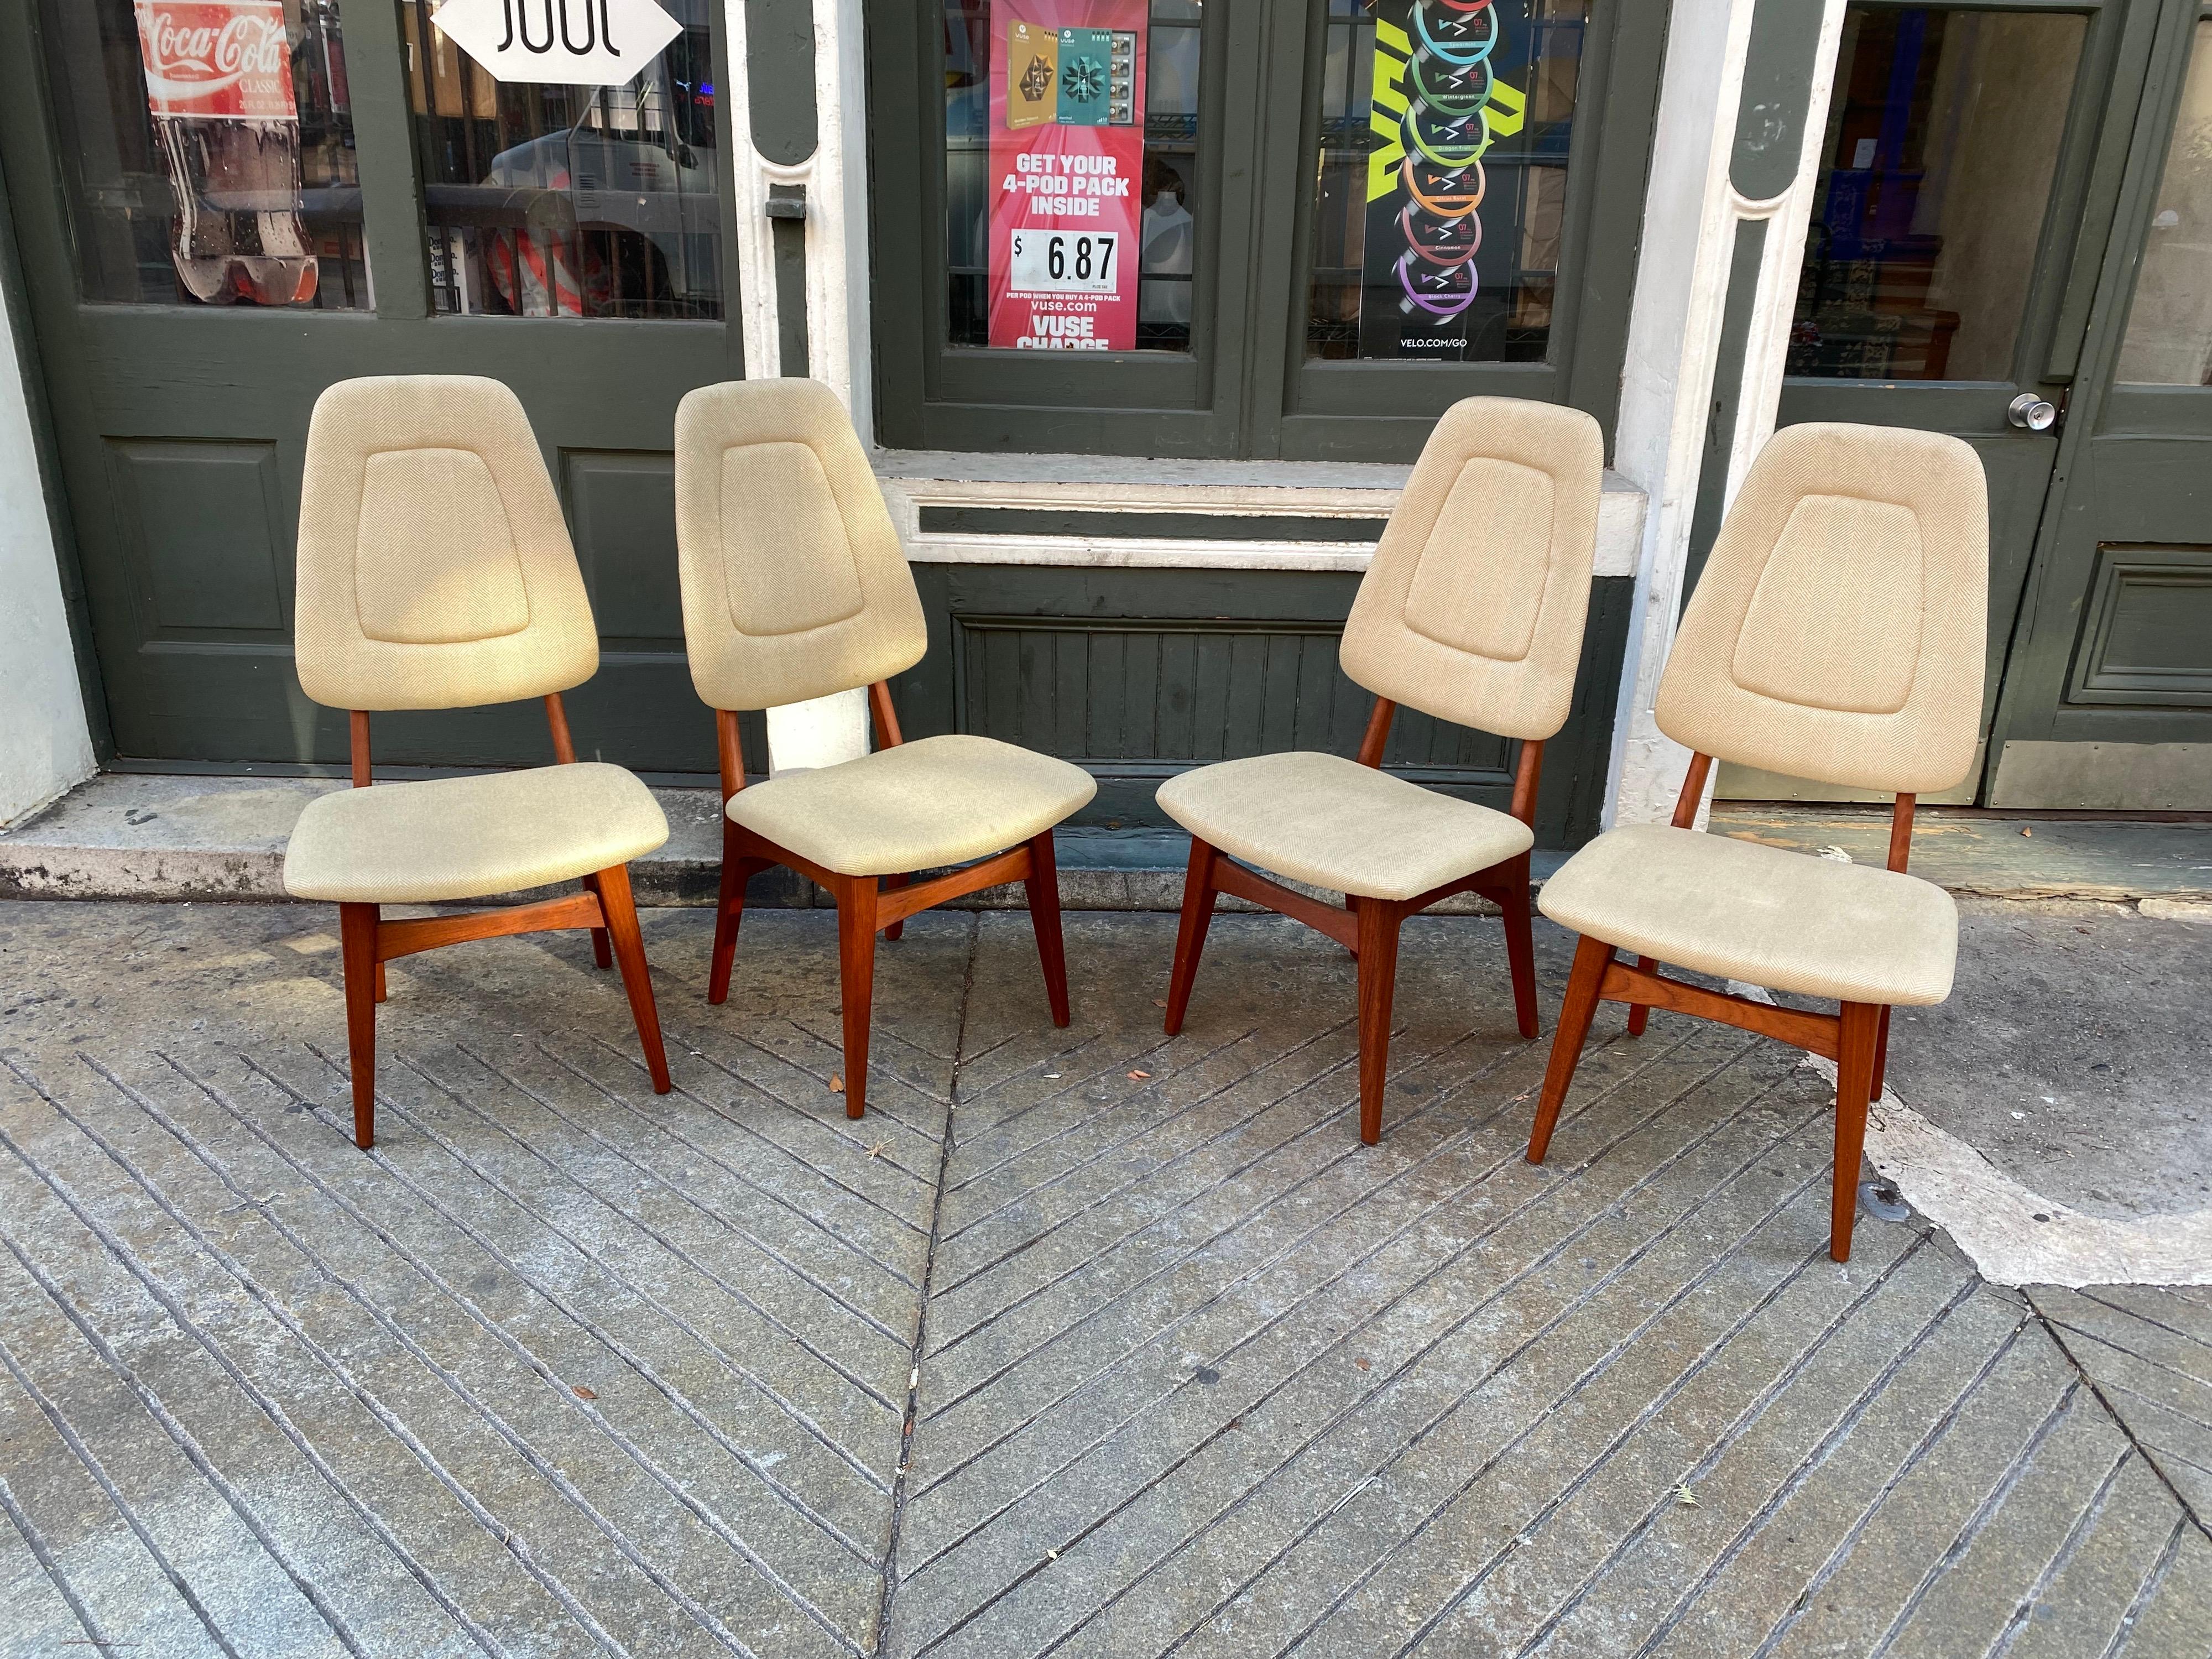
x=897 y=929
x=621 y=912
x=856 y=981
x=1379 y=921
x=729 y=911
x=1639 y=1013
x=1043 y=886
x=602 y=954
x=1881 y=1058
x=1512 y=900
x=1577 y=1010
x=1855 y=1066
x=357 y=948
x=383 y=991
x=1190 y=937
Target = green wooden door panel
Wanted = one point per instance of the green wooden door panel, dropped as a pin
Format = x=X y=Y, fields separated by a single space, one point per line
x=180 y=435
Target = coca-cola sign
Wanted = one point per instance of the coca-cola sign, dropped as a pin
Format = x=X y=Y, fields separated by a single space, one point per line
x=216 y=60
x=588 y=43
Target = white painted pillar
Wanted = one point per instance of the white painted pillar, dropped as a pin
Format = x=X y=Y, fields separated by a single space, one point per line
x=1668 y=391
x=45 y=743
x=826 y=730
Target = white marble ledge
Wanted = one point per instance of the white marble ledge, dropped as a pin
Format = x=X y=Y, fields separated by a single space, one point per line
x=914 y=479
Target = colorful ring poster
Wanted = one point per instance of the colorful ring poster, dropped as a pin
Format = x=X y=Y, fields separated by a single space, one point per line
x=1444 y=94
x=1067 y=159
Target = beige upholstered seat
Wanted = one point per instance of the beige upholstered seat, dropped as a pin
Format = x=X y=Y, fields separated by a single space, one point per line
x=918 y=807
x=1761 y=915
x=457 y=838
x=1472 y=611
x=795 y=586
x=1329 y=822
x=435 y=572
x=1837 y=633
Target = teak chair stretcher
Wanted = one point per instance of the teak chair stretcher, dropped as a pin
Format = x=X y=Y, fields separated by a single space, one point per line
x=1367 y=927
x=1855 y=1037
x=367 y=941
x=868 y=905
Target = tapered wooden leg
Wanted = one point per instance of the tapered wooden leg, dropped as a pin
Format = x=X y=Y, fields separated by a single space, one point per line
x=1880 y=1057
x=1592 y=958
x=856 y=979
x=1520 y=944
x=1043 y=886
x=1855 y=1064
x=729 y=911
x=603 y=953
x=1639 y=1014
x=637 y=978
x=357 y=947
x=897 y=929
x=383 y=991
x=1190 y=937
x=1379 y=921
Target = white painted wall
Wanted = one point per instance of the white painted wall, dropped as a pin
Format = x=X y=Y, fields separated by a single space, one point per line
x=1690 y=220
x=46 y=746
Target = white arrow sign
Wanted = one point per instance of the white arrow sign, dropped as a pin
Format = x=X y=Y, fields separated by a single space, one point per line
x=589 y=43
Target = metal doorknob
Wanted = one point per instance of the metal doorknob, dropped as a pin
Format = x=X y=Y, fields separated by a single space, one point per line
x=2032 y=413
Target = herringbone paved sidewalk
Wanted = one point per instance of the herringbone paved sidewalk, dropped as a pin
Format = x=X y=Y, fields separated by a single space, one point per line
x=566 y=1367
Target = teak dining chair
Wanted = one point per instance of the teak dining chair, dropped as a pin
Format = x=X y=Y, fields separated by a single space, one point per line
x=435 y=572
x=1471 y=611
x=794 y=587
x=1837 y=634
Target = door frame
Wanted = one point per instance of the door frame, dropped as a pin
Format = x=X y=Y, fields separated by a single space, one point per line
x=2047 y=629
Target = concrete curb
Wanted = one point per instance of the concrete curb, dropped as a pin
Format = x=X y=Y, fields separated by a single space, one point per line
x=140 y=836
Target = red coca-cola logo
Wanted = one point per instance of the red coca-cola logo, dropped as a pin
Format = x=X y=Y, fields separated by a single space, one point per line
x=216 y=58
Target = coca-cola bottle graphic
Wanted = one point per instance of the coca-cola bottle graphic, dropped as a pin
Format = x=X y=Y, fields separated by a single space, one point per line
x=219 y=88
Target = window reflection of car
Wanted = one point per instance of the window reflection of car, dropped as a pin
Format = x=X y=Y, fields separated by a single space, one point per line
x=616 y=214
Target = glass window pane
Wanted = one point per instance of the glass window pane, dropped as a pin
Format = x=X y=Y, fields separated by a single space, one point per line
x=1942 y=141
x=560 y=201
x=1442 y=182
x=2169 y=339
x=207 y=151
x=1070 y=142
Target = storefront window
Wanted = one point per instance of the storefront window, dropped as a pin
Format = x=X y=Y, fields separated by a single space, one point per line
x=2169 y=338
x=208 y=151
x=560 y=201
x=1442 y=182
x=1942 y=143
x=1070 y=145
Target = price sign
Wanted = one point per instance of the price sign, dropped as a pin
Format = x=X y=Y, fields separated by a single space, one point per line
x=1065 y=262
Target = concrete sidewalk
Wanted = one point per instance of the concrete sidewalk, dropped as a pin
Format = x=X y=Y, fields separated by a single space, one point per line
x=1082 y=1342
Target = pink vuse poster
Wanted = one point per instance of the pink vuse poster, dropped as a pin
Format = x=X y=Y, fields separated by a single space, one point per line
x=1067 y=157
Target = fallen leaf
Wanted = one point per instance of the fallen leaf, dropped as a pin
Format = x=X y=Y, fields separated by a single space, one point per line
x=1686 y=1497
x=2024 y=831
x=836 y=1084
x=1364 y=1362
x=1138 y=1077
x=581 y=1392
x=1159 y=1002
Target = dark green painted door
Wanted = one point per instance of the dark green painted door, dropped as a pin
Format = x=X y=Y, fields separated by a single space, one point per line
x=2108 y=700
x=574 y=244
x=1969 y=164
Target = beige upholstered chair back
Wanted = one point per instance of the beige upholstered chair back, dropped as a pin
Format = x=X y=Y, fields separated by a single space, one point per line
x=1472 y=608
x=1837 y=630
x=434 y=568
x=794 y=583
